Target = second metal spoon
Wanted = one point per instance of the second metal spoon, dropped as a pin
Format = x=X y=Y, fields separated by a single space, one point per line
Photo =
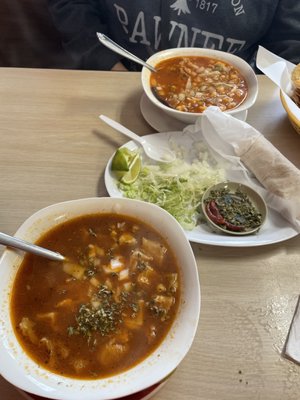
x=160 y=154
x=17 y=243
x=110 y=44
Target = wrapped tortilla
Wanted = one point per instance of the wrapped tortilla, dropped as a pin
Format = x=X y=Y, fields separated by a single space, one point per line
x=295 y=77
x=274 y=171
x=246 y=152
x=284 y=74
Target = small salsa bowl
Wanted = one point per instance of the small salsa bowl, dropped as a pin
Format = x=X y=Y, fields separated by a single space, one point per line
x=20 y=370
x=211 y=209
x=190 y=117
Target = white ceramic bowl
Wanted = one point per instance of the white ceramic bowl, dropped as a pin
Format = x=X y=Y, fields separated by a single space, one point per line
x=24 y=373
x=189 y=117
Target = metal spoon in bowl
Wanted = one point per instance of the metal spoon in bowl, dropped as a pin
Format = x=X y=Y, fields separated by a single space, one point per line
x=110 y=44
x=29 y=247
x=160 y=154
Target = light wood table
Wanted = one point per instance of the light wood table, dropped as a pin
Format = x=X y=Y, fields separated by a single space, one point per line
x=54 y=148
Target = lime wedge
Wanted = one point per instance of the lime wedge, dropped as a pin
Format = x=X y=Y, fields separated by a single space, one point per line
x=133 y=173
x=122 y=159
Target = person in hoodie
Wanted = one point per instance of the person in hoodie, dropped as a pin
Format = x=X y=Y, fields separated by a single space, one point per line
x=145 y=27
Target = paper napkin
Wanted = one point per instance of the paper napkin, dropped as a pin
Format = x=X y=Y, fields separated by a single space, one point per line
x=279 y=71
x=292 y=345
x=248 y=157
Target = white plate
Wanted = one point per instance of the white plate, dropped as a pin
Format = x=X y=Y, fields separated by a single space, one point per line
x=163 y=122
x=274 y=230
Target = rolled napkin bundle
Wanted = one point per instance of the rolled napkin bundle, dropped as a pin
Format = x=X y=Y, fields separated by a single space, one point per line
x=246 y=152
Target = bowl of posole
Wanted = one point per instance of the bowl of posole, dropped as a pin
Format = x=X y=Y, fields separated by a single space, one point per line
x=212 y=77
x=19 y=366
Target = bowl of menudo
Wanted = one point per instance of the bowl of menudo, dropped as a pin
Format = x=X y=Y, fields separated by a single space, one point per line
x=115 y=317
x=188 y=80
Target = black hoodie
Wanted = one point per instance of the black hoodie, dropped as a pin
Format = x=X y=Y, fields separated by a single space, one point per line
x=145 y=27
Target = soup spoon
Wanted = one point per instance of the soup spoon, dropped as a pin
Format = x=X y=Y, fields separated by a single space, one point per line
x=21 y=244
x=110 y=44
x=160 y=154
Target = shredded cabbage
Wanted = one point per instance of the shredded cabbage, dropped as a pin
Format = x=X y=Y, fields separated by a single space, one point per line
x=177 y=187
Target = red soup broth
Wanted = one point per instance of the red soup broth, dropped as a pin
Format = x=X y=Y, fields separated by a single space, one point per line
x=193 y=83
x=107 y=307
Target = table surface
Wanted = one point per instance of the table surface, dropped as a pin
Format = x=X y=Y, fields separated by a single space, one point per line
x=54 y=148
